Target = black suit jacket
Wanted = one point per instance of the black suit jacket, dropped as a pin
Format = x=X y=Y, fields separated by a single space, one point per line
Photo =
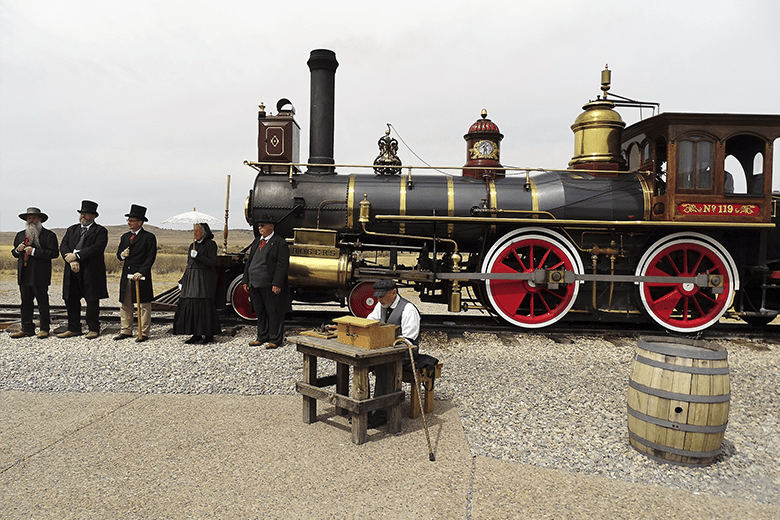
x=38 y=269
x=274 y=262
x=92 y=261
x=143 y=252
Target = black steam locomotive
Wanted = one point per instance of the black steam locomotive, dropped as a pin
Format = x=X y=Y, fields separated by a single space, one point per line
x=671 y=218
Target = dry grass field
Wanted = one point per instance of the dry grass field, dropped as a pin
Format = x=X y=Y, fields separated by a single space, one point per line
x=171 y=253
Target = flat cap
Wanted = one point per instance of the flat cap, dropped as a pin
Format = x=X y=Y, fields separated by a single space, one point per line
x=382 y=287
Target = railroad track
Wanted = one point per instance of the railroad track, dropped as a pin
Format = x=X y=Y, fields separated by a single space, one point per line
x=452 y=324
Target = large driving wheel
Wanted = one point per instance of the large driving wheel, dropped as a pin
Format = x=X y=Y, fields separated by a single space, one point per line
x=522 y=302
x=361 y=299
x=239 y=299
x=686 y=307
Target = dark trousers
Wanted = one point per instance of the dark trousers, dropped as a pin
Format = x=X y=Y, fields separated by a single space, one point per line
x=41 y=294
x=73 y=303
x=384 y=374
x=269 y=308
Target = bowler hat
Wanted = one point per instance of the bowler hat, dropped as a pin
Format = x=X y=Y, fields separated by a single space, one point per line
x=382 y=287
x=138 y=212
x=265 y=219
x=34 y=211
x=87 y=206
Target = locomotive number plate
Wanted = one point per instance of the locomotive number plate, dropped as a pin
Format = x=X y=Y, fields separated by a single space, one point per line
x=695 y=208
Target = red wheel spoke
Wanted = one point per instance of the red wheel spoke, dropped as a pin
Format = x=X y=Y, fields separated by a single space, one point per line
x=695 y=268
x=553 y=294
x=523 y=267
x=671 y=261
x=540 y=265
x=698 y=307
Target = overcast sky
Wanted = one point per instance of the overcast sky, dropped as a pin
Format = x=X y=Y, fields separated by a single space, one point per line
x=154 y=102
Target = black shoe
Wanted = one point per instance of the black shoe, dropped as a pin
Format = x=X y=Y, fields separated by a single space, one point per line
x=377 y=419
x=121 y=336
x=194 y=339
x=142 y=339
x=207 y=340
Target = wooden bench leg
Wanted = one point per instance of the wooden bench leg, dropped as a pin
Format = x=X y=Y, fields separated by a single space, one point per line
x=309 y=377
x=426 y=382
x=360 y=392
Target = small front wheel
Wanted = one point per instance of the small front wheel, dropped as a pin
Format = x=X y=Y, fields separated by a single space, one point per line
x=239 y=299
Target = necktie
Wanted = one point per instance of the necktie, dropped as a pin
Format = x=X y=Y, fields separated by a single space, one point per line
x=80 y=243
x=262 y=244
x=132 y=237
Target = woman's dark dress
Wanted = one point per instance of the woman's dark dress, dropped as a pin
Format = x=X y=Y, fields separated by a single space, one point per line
x=196 y=312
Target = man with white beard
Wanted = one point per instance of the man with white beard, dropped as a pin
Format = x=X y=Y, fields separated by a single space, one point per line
x=394 y=310
x=34 y=248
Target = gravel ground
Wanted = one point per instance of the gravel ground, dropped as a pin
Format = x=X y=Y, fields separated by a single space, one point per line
x=521 y=397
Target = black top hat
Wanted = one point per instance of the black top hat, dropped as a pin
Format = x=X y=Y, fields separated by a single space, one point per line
x=87 y=206
x=265 y=219
x=34 y=211
x=382 y=287
x=138 y=212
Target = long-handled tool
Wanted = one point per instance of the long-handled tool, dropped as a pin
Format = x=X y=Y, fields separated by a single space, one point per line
x=138 y=301
x=431 y=456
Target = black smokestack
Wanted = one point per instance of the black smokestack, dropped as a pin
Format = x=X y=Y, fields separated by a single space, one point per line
x=322 y=64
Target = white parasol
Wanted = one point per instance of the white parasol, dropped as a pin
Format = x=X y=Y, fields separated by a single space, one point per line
x=192 y=217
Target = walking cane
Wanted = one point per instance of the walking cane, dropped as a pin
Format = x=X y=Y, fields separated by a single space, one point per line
x=431 y=456
x=138 y=301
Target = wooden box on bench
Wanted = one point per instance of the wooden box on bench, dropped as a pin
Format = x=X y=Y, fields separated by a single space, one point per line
x=364 y=333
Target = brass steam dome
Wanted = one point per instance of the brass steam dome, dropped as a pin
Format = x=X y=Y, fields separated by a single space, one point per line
x=598 y=135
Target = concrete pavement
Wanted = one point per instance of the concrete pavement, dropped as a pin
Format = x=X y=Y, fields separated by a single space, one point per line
x=111 y=455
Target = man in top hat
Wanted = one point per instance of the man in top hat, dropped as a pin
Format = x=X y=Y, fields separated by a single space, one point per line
x=138 y=251
x=84 y=275
x=394 y=310
x=265 y=277
x=34 y=248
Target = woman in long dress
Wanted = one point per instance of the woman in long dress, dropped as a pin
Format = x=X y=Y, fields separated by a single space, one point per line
x=196 y=312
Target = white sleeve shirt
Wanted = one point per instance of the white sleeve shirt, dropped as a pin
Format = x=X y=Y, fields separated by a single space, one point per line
x=410 y=319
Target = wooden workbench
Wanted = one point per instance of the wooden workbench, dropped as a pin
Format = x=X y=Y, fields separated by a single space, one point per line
x=359 y=403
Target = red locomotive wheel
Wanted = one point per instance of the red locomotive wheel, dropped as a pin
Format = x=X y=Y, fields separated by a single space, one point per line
x=239 y=299
x=361 y=299
x=522 y=302
x=686 y=307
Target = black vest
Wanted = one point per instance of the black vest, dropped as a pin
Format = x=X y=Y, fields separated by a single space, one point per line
x=395 y=317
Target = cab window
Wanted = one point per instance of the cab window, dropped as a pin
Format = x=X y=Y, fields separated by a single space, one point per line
x=744 y=166
x=694 y=164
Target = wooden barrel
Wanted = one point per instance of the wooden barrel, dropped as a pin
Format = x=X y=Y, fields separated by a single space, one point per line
x=678 y=400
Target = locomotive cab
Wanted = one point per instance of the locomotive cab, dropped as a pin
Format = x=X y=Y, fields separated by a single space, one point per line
x=706 y=167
